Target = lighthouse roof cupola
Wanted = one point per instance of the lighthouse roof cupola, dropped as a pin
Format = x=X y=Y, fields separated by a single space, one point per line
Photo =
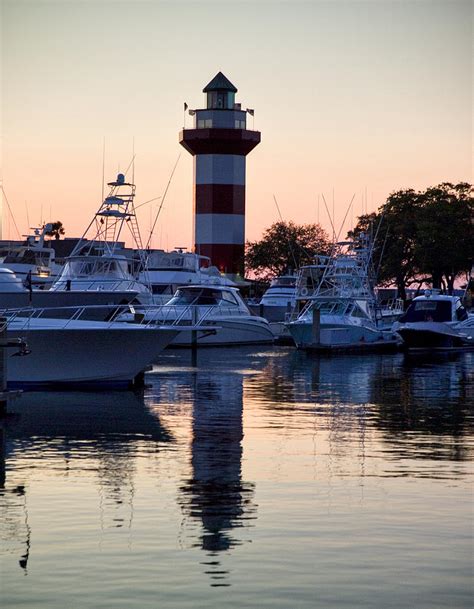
x=220 y=93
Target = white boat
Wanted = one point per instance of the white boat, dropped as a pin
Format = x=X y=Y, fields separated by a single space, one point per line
x=33 y=259
x=75 y=352
x=275 y=305
x=221 y=313
x=436 y=322
x=166 y=271
x=97 y=264
x=277 y=300
x=340 y=312
x=14 y=295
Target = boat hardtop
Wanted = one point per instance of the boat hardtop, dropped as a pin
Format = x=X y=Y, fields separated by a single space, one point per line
x=213 y=295
x=435 y=307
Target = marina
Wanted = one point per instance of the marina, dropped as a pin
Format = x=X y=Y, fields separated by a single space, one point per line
x=236 y=324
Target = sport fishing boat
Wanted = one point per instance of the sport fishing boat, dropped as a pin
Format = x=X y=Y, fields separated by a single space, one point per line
x=97 y=263
x=74 y=352
x=436 y=321
x=221 y=313
x=166 y=271
x=340 y=312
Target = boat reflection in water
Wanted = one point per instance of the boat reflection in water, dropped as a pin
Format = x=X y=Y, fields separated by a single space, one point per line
x=422 y=405
x=361 y=465
x=66 y=436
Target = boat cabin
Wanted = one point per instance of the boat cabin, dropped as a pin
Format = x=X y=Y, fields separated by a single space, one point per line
x=108 y=267
x=437 y=308
x=207 y=296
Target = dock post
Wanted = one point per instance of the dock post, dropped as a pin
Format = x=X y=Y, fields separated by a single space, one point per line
x=3 y=366
x=194 y=320
x=316 y=327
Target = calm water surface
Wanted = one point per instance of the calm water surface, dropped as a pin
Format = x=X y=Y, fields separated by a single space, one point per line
x=256 y=478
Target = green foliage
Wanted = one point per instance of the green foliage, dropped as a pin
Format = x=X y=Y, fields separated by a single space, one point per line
x=285 y=246
x=423 y=236
x=57 y=229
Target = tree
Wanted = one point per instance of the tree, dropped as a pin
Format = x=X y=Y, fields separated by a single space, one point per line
x=445 y=246
x=56 y=230
x=423 y=237
x=285 y=246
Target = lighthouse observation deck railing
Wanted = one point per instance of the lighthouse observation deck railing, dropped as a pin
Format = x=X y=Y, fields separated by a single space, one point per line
x=208 y=123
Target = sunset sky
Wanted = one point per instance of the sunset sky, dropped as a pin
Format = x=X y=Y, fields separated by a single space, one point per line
x=350 y=97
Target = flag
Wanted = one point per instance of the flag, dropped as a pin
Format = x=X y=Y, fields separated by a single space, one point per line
x=185 y=106
x=251 y=111
x=192 y=112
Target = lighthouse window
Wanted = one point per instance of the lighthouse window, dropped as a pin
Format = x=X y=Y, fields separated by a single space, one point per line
x=205 y=124
x=240 y=124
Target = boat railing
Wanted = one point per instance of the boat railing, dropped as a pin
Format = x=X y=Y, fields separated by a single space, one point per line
x=394 y=304
x=98 y=285
x=149 y=316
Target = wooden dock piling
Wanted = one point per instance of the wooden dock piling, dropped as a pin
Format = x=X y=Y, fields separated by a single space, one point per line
x=316 y=327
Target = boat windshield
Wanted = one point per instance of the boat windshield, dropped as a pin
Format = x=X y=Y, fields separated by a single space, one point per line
x=111 y=267
x=428 y=310
x=280 y=282
x=200 y=296
x=334 y=308
x=27 y=257
x=173 y=261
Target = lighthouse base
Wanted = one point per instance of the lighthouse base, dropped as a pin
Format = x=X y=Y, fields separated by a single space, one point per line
x=227 y=257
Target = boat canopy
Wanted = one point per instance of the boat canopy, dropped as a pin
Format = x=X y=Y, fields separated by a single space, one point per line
x=95 y=266
x=203 y=296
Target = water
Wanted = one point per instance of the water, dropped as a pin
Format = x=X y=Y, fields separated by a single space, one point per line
x=257 y=478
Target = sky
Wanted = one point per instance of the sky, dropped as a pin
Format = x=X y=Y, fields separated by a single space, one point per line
x=352 y=98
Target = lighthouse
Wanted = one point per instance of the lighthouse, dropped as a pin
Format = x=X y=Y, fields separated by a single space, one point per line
x=219 y=142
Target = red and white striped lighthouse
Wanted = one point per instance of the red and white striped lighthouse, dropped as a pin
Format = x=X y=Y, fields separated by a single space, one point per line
x=219 y=143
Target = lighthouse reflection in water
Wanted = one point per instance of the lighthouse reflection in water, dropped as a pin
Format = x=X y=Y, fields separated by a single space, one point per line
x=257 y=477
x=215 y=496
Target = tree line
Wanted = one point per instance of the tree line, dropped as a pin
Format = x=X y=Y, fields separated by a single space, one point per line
x=420 y=238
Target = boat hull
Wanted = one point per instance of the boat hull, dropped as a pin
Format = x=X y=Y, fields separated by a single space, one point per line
x=225 y=332
x=339 y=336
x=420 y=339
x=89 y=357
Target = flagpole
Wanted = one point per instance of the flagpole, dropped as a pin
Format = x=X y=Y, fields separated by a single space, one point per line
x=185 y=107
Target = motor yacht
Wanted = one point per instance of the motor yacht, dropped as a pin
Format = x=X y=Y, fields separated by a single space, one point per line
x=339 y=310
x=97 y=263
x=166 y=271
x=275 y=304
x=435 y=321
x=33 y=259
x=277 y=300
x=221 y=313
